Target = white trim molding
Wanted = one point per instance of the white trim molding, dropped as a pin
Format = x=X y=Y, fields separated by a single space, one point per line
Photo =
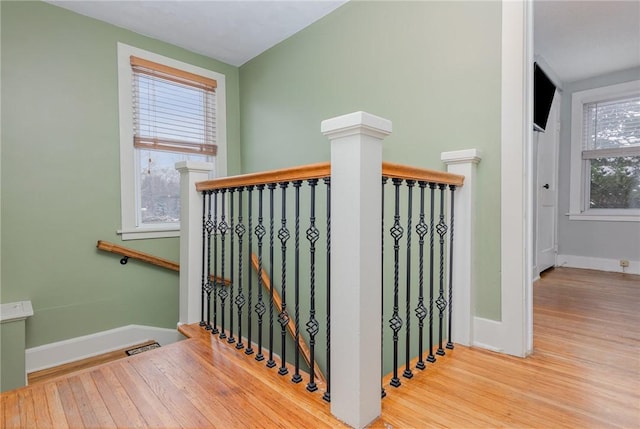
x=74 y=349
x=600 y=264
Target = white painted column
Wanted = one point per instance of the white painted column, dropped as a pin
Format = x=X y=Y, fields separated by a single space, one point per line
x=191 y=172
x=356 y=172
x=463 y=162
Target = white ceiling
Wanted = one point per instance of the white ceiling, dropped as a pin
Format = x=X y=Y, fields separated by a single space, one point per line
x=232 y=31
x=582 y=39
x=577 y=39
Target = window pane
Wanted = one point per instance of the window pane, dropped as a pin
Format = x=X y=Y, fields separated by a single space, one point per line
x=615 y=183
x=612 y=124
x=160 y=186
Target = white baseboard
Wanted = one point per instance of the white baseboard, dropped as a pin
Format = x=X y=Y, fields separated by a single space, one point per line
x=601 y=264
x=73 y=349
x=488 y=334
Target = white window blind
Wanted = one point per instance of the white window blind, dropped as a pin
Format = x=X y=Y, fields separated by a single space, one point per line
x=611 y=128
x=173 y=110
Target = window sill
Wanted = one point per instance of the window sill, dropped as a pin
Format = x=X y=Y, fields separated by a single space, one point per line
x=604 y=217
x=145 y=233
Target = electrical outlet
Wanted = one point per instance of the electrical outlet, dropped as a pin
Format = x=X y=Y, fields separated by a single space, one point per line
x=624 y=263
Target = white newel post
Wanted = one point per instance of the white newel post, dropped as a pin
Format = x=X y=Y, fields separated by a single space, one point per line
x=356 y=172
x=463 y=162
x=191 y=172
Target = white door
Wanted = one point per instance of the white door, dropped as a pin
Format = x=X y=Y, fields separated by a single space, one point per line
x=547 y=193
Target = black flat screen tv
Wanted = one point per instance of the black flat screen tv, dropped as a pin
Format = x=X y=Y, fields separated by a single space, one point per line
x=543 y=91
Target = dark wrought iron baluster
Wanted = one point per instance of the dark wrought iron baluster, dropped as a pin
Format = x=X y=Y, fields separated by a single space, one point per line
x=231 y=339
x=396 y=322
x=223 y=227
x=432 y=188
x=383 y=393
x=450 y=342
x=421 y=311
x=327 y=393
x=271 y=363
x=312 y=325
x=260 y=307
x=203 y=284
x=297 y=378
x=283 y=317
x=441 y=302
x=407 y=369
x=214 y=281
x=240 y=300
x=206 y=278
x=249 y=349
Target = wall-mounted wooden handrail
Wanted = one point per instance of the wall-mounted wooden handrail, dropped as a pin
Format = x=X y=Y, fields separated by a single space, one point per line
x=321 y=170
x=146 y=257
x=291 y=327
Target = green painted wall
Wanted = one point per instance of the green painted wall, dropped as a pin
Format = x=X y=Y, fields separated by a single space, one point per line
x=433 y=68
x=12 y=346
x=61 y=176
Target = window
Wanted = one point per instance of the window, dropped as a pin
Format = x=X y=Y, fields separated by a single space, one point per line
x=169 y=112
x=605 y=153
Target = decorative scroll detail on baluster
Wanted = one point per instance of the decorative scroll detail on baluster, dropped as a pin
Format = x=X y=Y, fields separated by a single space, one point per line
x=271 y=363
x=432 y=190
x=327 y=393
x=231 y=339
x=396 y=322
x=383 y=393
x=249 y=349
x=283 y=317
x=297 y=378
x=240 y=299
x=421 y=310
x=312 y=325
x=450 y=342
x=441 y=302
x=260 y=307
x=407 y=369
x=214 y=327
x=223 y=227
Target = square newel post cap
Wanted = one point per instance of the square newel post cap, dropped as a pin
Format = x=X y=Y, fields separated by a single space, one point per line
x=194 y=166
x=356 y=123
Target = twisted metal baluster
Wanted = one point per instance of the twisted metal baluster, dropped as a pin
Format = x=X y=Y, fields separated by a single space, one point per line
x=214 y=281
x=222 y=290
x=441 y=302
x=327 y=393
x=407 y=369
x=312 y=325
x=283 y=317
x=249 y=349
x=396 y=322
x=260 y=307
x=421 y=311
x=432 y=187
x=296 y=185
x=450 y=342
x=271 y=363
x=240 y=300
x=383 y=393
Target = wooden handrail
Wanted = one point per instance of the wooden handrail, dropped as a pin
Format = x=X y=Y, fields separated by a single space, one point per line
x=321 y=170
x=291 y=327
x=146 y=257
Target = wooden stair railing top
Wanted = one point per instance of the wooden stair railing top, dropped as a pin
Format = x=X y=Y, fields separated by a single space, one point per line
x=323 y=169
x=146 y=257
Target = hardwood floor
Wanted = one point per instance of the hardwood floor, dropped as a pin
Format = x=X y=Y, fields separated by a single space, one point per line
x=584 y=373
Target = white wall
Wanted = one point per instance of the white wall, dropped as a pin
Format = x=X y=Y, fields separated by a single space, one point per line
x=591 y=244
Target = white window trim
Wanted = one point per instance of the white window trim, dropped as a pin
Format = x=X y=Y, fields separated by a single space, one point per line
x=578 y=181
x=129 y=227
